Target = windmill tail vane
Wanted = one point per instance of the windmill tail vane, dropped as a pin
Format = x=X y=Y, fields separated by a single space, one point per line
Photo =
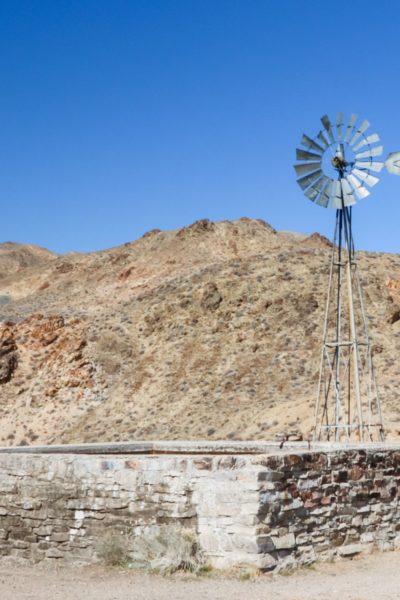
x=392 y=163
x=335 y=169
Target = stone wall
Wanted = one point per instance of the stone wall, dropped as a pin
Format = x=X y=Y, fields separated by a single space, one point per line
x=323 y=504
x=255 y=505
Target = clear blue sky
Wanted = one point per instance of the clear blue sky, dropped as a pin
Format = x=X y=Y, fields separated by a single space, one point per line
x=121 y=116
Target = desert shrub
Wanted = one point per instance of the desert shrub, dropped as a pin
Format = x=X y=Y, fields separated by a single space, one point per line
x=112 y=549
x=167 y=549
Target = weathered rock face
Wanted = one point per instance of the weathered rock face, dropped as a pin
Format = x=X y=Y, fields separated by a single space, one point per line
x=271 y=511
x=8 y=354
x=209 y=332
x=56 y=349
x=211 y=297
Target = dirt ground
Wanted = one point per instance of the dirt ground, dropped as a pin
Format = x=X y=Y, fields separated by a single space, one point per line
x=369 y=578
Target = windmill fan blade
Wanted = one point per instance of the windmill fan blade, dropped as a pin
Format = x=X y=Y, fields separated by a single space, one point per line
x=371 y=165
x=365 y=176
x=350 y=127
x=360 y=130
x=305 y=155
x=348 y=197
x=323 y=199
x=307 y=180
x=392 y=163
x=317 y=188
x=376 y=166
x=371 y=139
x=362 y=192
x=339 y=125
x=369 y=153
x=359 y=189
x=337 y=195
x=327 y=124
x=307 y=142
x=307 y=168
x=314 y=190
x=323 y=140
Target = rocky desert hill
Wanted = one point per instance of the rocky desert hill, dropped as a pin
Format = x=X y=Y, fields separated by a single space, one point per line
x=212 y=331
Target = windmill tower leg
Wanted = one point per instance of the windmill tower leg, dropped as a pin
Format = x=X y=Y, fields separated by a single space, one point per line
x=354 y=358
x=347 y=406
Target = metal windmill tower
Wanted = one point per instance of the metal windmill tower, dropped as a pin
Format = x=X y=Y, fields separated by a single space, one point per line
x=336 y=166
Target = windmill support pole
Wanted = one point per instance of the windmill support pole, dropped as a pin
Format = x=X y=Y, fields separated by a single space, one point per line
x=339 y=217
x=347 y=225
x=352 y=321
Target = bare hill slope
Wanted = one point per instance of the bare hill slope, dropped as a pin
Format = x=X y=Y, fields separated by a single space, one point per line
x=211 y=331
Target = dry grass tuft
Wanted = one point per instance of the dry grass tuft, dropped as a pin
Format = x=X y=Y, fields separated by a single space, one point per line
x=112 y=549
x=167 y=549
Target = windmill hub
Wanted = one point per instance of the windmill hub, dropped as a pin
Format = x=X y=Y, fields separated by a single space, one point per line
x=339 y=163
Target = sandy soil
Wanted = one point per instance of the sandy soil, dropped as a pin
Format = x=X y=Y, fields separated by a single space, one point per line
x=369 y=578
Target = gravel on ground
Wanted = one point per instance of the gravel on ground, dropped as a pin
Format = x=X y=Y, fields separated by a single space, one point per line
x=373 y=577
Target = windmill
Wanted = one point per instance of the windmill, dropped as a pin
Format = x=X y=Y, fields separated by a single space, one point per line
x=335 y=169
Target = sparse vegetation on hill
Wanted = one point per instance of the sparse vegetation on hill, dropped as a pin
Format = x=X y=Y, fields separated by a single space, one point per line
x=211 y=331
